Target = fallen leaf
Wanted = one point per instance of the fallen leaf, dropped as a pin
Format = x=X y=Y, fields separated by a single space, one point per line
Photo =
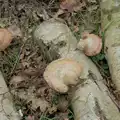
x=66 y=119
x=25 y=64
x=39 y=102
x=52 y=109
x=62 y=104
x=76 y=28
x=15 y=80
x=41 y=91
x=93 y=7
x=29 y=97
x=92 y=1
x=62 y=116
x=30 y=117
x=72 y=5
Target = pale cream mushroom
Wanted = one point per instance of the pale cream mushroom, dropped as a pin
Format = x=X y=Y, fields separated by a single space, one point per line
x=62 y=73
x=7 y=34
x=91 y=44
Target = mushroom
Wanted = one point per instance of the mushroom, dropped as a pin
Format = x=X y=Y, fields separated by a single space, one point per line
x=91 y=44
x=62 y=73
x=7 y=34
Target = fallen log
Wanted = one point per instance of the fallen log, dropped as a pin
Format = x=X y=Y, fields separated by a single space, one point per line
x=110 y=21
x=91 y=99
x=7 y=110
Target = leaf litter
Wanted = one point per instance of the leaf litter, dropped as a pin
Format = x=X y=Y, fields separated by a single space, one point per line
x=72 y=5
x=22 y=63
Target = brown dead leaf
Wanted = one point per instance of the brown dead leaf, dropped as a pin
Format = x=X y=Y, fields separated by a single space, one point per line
x=66 y=119
x=39 y=102
x=25 y=64
x=30 y=117
x=16 y=80
x=62 y=104
x=41 y=92
x=52 y=109
x=62 y=116
x=76 y=28
x=29 y=96
x=72 y=5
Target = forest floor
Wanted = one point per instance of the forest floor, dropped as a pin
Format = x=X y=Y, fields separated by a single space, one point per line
x=22 y=63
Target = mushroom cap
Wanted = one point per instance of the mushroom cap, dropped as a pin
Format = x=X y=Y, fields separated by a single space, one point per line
x=5 y=38
x=62 y=73
x=92 y=44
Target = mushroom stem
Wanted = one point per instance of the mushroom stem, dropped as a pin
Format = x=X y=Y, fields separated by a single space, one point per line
x=81 y=45
x=59 y=86
x=15 y=31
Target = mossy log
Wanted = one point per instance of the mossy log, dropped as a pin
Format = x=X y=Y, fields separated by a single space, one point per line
x=91 y=99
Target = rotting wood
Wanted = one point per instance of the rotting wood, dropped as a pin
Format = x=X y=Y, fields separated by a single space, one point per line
x=86 y=94
x=110 y=20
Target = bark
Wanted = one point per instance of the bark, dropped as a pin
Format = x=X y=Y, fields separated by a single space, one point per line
x=110 y=10
x=91 y=99
x=7 y=111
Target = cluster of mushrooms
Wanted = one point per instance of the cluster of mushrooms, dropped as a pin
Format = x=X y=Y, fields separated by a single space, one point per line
x=64 y=72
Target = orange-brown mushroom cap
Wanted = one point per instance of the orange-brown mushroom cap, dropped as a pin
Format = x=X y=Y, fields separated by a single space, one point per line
x=5 y=38
x=7 y=34
x=91 y=44
x=61 y=73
